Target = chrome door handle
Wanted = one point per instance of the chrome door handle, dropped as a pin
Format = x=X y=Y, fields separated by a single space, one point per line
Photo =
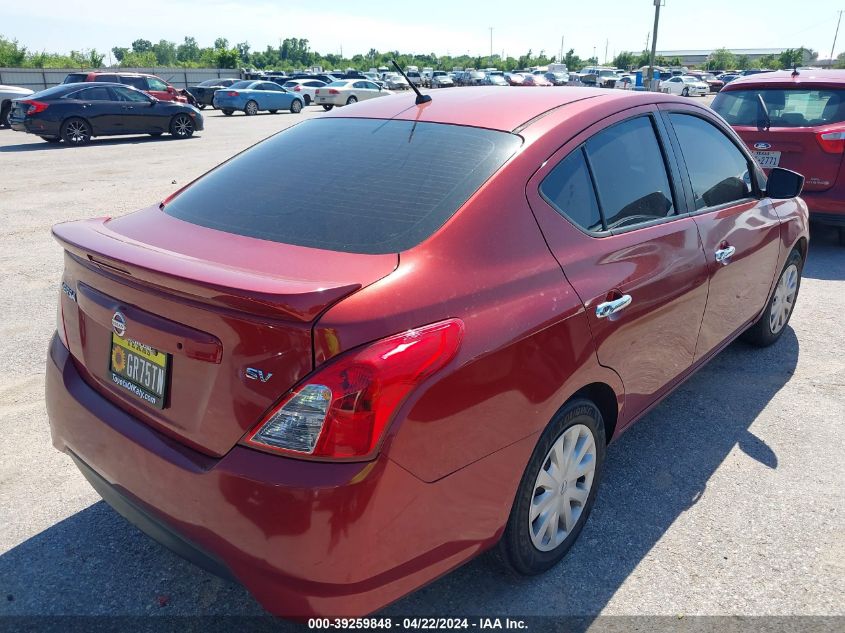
x=724 y=254
x=604 y=310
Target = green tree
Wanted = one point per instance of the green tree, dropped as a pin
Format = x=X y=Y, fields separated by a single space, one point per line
x=165 y=53
x=840 y=61
x=227 y=57
x=742 y=62
x=624 y=60
x=769 y=61
x=221 y=42
x=142 y=46
x=243 y=51
x=146 y=59
x=791 y=57
x=119 y=53
x=188 y=51
x=722 y=59
x=11 y=53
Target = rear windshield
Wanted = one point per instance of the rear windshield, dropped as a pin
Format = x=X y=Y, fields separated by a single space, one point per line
x=73 y=78
x=804 y=107
x=243 y=84
x=351 y=185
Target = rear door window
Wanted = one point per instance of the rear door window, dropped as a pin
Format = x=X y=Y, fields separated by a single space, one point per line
x=389 y=184
x=718 y=170
x=804 y=107
x=136 y=82
x=156 y=84
x=73 y=78
x=92 y=94
x=106 y=78
x=630 y=175
x=569 y=189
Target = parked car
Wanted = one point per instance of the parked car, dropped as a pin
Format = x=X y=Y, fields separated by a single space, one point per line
x=395 y=81
x=326 y=78
x=441 y=79
x=684 y=85
x=415 y=78
x=801 y=128
x=304 y=87
x=726 y=78
x=273 y=391
x=204 y=92
x=151 y=84
x=7 y=93
x=494 y=79
x=74 y=113
x=626 y=82
x=710 y=79
x=251 y=97
x=536 y=80
x=347 y=92
x=515 y=79
x=557 y=78
x=473 y=77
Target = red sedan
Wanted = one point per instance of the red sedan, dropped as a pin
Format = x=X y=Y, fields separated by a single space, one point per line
x=795 y=120
x=335 y=398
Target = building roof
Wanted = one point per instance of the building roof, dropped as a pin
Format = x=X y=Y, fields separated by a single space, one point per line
x=735 y=51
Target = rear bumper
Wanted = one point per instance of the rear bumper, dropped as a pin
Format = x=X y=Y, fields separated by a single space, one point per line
x=35 y=126
x=827 y=207
x=306 y=538
x=228 y=103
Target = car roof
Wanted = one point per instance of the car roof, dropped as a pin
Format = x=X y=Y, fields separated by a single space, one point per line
x=785 y=78
x=491 y=107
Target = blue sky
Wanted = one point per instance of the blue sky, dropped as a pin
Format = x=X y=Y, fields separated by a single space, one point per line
x=439 y=26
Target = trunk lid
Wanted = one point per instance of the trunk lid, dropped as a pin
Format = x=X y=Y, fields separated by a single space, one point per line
x=799 y=151
x=215 y=303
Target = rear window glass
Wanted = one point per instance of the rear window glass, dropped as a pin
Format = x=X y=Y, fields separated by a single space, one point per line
x=787 y=107
x=242 y=84
x=73 y=78
x=352 y=185
x=136 y=82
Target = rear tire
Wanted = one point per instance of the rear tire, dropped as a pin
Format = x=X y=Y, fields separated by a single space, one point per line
x=251 y=108
x=327 y=107
x=227 y=111
x=351 y=100
x=76 y=131
x=557 y=490
x=685 y=92
x=5 y=113
x=181 y=126
x=772 y=323
x=296 y=106
x=307 y=100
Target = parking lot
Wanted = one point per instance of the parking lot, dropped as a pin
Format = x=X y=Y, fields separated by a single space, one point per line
x=727 y=499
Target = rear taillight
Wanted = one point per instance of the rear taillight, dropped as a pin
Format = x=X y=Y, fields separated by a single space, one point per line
x=35 y=106
x=317 y=91
x=332 y=91
x=233 y=93
x=297 y=88
x=832 y=141
x=343 y=409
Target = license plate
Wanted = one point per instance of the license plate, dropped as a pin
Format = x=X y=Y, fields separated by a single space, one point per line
x=767 y=159
x=140 y=369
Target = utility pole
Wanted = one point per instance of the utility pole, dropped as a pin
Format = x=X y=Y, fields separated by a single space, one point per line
x=491 y=45
x=657 y=4
x=561 y=49
x=834 y=40
x=606 y=44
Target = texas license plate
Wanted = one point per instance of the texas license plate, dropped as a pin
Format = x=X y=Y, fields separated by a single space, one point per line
x=767 y=159
x=139 y=369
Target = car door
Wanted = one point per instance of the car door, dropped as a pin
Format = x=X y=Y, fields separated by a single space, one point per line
x=277 y=97
x=612 y=215
x=136 y=112
x=739 y=228
x=159 y=89
x=96 y=106
x=674 y=86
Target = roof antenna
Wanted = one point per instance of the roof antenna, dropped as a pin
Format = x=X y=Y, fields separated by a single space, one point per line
x=795 y=72
x=421 y=98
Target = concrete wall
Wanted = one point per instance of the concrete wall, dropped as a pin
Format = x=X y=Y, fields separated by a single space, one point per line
x=38 y=79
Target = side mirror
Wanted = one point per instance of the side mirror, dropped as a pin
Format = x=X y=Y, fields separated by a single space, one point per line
x=784 y=183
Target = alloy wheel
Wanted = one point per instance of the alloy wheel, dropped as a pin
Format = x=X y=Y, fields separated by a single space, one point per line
x=183 y=126
x=77 y=132
x=784 y=299
x=562 y=488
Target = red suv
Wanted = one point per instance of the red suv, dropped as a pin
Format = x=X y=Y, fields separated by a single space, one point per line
x=150 y=84
x=335 y=397
x=795 y=119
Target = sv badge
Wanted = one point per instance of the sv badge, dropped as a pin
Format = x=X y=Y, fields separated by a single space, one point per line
x=256 y=374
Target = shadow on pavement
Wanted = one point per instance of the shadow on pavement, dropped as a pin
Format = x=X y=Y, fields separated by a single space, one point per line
x=94 y=562
x=95 y=142
x=826 y=260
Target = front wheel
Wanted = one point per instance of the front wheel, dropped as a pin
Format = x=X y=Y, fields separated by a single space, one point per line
x=251 y=108
x=5 y=115
x=296 y=106
x=685 y=92
x=76 y=131
x=307 y=100
x=227 y=111
x=557 y=490
x=771 y=324
x=182 y=126
x=327 y=107
x=351 y=100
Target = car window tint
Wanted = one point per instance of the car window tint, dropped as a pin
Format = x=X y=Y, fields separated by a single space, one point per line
x=106 y=78
x=802 y=107
x=359 y=84
x=285 y=190
x=92 y=94
x=125 y=94
x=569 y=189
x=314 y=84
x=73 y=78
x=718 y=170
x=136 y=82
x=630 y=173
x=156 y=84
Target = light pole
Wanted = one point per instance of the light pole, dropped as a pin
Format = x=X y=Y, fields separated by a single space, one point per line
x=491 y=45
x=657 y=4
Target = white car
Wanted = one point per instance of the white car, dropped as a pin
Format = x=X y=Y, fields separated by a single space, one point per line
x=7 y=93
x=685 y=85
x=304 y=87
x=439 y=79
x=348 y=91
x=395 y=81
